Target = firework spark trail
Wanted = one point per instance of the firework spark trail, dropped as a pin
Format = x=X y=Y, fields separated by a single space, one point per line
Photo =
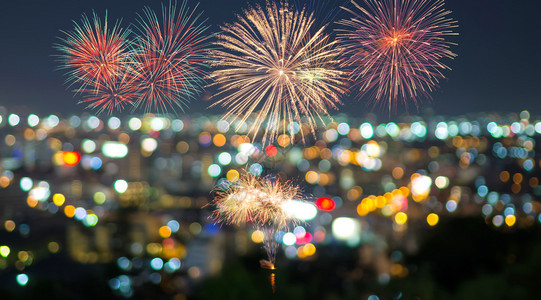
x=169 y=60
x=93 y=53
x=271 y=64
x=270 y=244
x=395 y=48
x=260 y=201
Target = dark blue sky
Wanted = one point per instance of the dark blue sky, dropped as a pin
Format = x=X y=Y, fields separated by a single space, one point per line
x=498 y=66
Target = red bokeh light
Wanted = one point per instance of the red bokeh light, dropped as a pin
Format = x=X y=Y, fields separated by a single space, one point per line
x=168 y=243
x=325 y=203
x=307 y=238
x=271 y=150
x=154 y=134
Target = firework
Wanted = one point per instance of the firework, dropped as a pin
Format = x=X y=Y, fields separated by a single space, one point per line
x=261 y=201
x=272 y=63
x=396 y=47
x=238 y=204
x=169 y=57
x=254 y=199
x=110 y=95
x=93 y=53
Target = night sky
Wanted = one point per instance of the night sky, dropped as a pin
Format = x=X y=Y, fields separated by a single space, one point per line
x=498 y=66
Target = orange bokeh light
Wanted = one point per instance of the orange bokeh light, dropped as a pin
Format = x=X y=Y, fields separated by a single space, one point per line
x=71 y=158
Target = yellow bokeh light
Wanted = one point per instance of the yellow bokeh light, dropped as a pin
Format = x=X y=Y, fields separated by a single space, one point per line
x=510 y=220
x=300 y=252
x=258 y=236
x=312 y=177
x=154 y=248
x=432 y=219
x=232 y=175
x=58 y=158
x=59 y=199
x=165 y=232
x=9 y=225
x=405 y=191
x=53 y=247
x=382 y=201
x=401 y=218
x=373 y=149
x=309 y=249
x=369 y=203
x=361 y=210
x=23 y=256
x=397 y=192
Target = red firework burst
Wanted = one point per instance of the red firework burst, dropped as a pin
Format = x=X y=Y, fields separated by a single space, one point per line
x=93 y=53
x=169 y=57
x=396 y=47
x=111 y=95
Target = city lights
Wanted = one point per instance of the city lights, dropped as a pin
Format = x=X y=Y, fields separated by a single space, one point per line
x=22 y=279
x=4 y=251
x=114 y=149
x=346 y=229
x=375 y=171
x=300 y=210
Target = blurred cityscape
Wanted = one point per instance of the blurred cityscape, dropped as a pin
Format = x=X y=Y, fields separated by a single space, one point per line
x=118 y=207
